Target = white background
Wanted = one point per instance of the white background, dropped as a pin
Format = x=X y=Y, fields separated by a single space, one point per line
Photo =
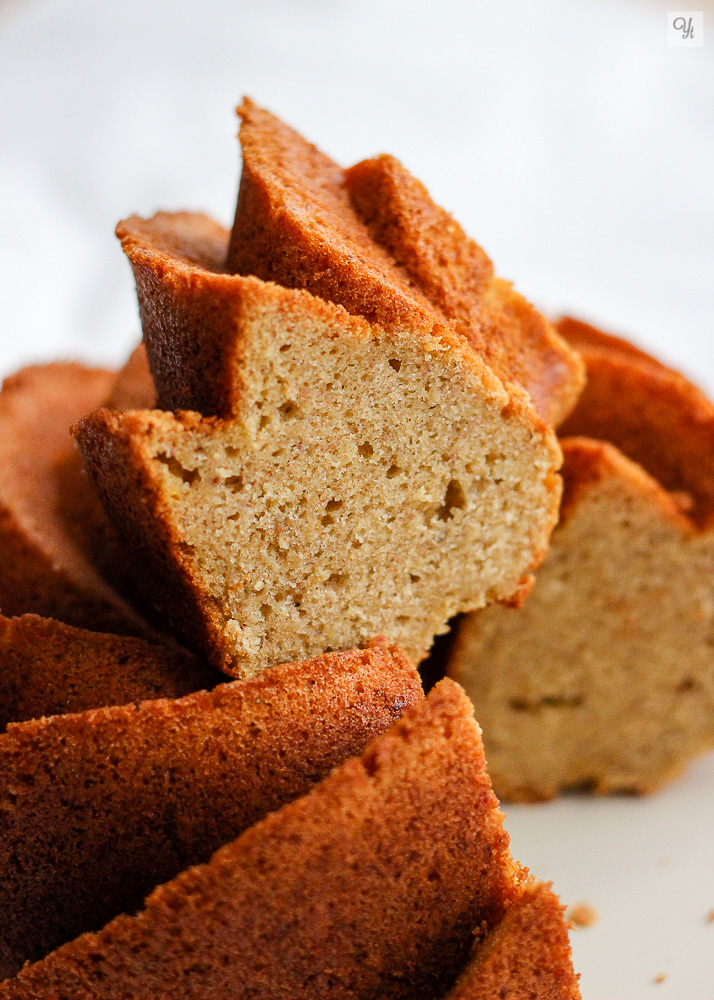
x=567 y=137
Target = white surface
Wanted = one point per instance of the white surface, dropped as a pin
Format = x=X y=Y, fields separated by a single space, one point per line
x=568 y=139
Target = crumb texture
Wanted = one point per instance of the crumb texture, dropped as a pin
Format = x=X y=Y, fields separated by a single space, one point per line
x=98 y=808
x=605 y=678
x=359 y=482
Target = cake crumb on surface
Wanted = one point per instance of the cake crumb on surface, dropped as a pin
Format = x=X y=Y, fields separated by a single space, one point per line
x=710 y=916
x=582 y=915
x=660 y=977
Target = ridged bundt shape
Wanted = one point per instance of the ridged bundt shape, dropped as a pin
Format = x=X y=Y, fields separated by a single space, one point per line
x=98 y=808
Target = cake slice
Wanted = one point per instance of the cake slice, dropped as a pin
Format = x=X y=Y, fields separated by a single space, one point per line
x=653 y=414
x=49 y=668
x=369 y=886
x=371 y=239
x=46 y=501
x=526 y=957
x=98 y=808
x=605 y=678
x=359 y=481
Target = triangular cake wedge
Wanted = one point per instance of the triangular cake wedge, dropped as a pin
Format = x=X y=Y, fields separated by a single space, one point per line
x=605 y=677
x=98 y=808
x=366 y=481
x=371 y=239
x=370 y=885
x=46 y=502
x=526 y=957
x=653 y=414
x=49 y=668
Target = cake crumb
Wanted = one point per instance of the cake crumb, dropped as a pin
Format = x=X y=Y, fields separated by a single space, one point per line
x=582 y=915
x=710 y=916
x=660 y=978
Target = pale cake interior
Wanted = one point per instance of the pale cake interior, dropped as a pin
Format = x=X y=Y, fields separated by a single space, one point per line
x=603 y=679
x=370 y=483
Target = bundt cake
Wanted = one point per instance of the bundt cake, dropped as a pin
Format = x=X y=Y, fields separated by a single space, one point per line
x=338 y=476
x=49 y=668
x=371 y=885
x=605 y=677
x=98 y=808
x=44 y=503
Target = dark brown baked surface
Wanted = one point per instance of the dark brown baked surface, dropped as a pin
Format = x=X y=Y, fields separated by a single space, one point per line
x=653 y=414
x=527 y=957
x=46 y=501
x=369 y=886
x=133 y=387
x=98 y=808
x=49 y=668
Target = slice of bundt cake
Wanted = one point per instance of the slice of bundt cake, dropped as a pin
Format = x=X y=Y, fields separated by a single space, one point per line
x=49 y=668
x=605 y=678
x=45 y=501
x=369 y=886
x=371 y=239
x=361 y=481
x=526 y=957
x=98 y=808
x=653 y=414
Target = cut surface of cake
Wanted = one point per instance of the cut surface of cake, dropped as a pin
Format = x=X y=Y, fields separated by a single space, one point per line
x=371 y=239
x=605 y=678
x=371 y=885
x=49 y=668
x=45 y=499
x=360 y=481
x=98 y=808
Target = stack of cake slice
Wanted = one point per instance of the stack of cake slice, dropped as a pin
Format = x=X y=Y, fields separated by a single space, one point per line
x=362 y=455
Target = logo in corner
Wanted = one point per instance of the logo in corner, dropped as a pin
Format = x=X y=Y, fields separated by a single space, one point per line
x=685 y=29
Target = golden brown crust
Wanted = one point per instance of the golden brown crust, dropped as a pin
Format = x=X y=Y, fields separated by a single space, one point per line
x=370 y=885
x=584 y=336
x=371 y=239
x=98 y=808
x=588 y=463
x=49 y=668
x=191 y=314
x=45 y=499
x=134 y=387
x=527 y=957
x=457 y=277
x=651 y=413
x=111 y=447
